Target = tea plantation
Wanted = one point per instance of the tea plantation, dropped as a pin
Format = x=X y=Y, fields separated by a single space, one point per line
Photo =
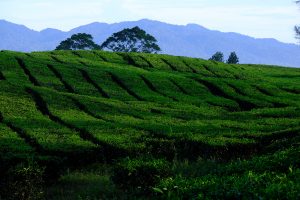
x=101 y=125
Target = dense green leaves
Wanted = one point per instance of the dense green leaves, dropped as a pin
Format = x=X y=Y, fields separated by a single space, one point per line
x=24 y=182
x=225 y=130
x=140 y=173
x=233 y=59
x=266 y=177
x=218 y=56
x=131 y=40
x=78 y=41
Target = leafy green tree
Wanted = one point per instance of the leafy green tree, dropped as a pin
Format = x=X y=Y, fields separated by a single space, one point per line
x=218 y=56
x=78 y=41
x=131 y=40
x=233 y=59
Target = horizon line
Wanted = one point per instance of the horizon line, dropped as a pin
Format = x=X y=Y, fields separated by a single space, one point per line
x=147 y=19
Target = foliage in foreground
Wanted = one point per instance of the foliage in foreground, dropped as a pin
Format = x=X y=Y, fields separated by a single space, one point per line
x=265 y=177
x=140 y=125
x=23 y=182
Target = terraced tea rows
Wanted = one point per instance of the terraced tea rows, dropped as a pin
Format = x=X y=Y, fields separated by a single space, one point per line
x=83 y=107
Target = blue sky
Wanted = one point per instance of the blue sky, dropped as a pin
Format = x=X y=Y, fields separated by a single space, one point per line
x=258 y=18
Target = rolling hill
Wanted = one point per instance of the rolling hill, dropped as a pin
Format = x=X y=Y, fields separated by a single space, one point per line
x=122 y=126
x=191 y=40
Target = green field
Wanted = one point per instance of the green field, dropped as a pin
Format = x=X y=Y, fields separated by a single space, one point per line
x=107 y=125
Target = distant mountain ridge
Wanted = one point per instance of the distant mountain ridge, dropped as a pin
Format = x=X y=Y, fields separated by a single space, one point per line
x=190 y=40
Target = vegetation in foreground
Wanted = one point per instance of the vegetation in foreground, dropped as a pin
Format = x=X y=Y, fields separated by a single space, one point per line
x=100 y=125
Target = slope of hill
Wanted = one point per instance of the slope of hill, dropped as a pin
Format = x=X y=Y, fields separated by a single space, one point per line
x=191 y=40
x=115 y=125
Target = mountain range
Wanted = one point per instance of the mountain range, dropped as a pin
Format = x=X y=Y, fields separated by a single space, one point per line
x=183 y=40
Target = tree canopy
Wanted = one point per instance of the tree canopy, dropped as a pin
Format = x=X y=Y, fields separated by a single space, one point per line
x=218 y=56
x=78 y=41
x=233 y=59
x=131 y=40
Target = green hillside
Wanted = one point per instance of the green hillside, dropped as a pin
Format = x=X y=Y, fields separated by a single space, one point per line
x=125 y=126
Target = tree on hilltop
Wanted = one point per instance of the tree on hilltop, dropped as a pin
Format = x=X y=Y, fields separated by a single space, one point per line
x=233 y=59
x=218 y=56
x=131 y=40
x=80 y=41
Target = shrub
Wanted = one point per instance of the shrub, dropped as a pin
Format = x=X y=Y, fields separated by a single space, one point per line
x=162 y=148
x=24 y=182
x=140 y=173
x=249 y=185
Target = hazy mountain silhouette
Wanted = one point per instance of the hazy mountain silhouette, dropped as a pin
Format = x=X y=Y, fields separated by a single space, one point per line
x=190 y=40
